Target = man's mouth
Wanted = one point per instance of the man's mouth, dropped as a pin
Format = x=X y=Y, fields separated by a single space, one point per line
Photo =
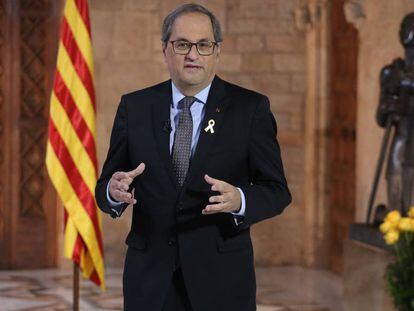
x=192 y=67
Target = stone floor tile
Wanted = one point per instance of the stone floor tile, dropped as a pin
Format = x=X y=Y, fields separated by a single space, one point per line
x=278 y=289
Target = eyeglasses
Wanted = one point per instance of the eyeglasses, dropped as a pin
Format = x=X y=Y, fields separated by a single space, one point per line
x=183 y=47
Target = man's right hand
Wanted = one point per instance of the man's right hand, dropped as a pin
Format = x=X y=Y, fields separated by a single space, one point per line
x=120 y=182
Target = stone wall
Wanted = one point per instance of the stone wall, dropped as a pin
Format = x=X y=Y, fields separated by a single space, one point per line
x=262 y=50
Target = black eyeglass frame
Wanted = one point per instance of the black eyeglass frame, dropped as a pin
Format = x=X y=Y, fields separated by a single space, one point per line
x=191 y=46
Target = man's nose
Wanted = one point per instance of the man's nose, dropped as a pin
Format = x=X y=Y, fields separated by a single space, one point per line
x=193 y=53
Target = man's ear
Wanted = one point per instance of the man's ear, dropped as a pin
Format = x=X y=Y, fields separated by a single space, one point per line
x=219 y=49
x=164 y=47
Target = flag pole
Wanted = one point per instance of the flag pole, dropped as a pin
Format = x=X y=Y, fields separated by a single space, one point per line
x=75 y=287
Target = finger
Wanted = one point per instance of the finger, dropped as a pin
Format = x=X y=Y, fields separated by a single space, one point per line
x=123 y=186
x=119 y=195
x=119 y=175
x=210 y=180
x=127 y=180
x=133 y=195
x=223 y=187
x=137 y=171
x=124 y=197
x=127 y=197
x=114 y=184
x=209 y=212
x=217 y=199
x=205 y=212
x=218 y=207
x=220 y=186
x=214 y=208
x=216 y=184
x=117 y=185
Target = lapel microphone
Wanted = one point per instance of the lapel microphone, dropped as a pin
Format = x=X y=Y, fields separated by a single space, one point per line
x=167 y=126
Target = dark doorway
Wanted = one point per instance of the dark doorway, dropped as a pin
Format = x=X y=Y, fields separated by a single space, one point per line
x=342 y=129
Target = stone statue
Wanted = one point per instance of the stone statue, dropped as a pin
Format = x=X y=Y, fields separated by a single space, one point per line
x=396 y=110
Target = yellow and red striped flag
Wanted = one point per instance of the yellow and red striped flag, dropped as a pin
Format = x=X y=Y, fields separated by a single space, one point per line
x=71 y=149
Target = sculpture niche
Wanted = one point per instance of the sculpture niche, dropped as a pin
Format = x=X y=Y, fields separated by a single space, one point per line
x=396 y=111
x=396 y=114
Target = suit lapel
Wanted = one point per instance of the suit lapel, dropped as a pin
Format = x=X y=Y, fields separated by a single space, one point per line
x=161 y=115
x=215 y=110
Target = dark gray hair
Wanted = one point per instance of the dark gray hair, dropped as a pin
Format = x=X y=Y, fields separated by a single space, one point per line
x=190 y=8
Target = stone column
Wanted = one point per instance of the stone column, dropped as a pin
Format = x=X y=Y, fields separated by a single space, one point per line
x=313 y=18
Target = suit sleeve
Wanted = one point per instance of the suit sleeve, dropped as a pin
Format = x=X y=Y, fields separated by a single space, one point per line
x=268 y=193
x=116 y=160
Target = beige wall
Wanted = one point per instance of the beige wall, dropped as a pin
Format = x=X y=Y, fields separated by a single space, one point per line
x=378 y=46
x=262 y=50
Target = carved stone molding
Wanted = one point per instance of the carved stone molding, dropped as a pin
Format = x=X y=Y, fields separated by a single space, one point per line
x=354 y=11
x=308 y=15
x=302 y=18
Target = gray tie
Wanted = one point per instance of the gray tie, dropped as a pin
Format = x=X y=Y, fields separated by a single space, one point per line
x=182 y=140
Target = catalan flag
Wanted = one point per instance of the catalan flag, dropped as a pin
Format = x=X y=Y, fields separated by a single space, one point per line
x=71 y=149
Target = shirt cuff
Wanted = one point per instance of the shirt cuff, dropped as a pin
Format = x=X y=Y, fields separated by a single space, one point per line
x=242 y=210
x=116 y=206
x=112 y=202
x=239 y=216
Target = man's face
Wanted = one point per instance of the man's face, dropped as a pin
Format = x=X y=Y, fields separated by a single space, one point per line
x=192 y=71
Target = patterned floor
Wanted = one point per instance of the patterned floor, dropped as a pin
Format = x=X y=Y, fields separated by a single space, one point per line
x=278 y=289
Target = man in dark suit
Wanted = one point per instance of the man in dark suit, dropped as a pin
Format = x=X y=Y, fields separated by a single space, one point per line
x=199 y=160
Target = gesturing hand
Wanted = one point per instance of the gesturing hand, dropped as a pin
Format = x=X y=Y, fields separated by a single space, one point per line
x=119 y=185
x=228 y=201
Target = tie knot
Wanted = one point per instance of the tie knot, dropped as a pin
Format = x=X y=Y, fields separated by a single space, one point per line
x=186 y=102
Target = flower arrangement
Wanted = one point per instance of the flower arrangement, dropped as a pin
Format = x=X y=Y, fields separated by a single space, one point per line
x=399 y=232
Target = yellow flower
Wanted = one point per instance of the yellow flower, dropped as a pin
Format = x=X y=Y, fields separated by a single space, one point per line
x=386 y=226
x=392 y=237
x=411 y=212
x=393 y=217
x=404 y=224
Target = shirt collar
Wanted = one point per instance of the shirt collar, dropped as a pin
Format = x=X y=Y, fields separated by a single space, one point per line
x=177 y=95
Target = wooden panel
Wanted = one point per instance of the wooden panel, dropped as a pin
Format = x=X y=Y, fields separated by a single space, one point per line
x=342 y=129
x=30 y=207
x=4 y=246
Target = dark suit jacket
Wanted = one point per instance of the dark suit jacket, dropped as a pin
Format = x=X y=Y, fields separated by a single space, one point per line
x=215 y=255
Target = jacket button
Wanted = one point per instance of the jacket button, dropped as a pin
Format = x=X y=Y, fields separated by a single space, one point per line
x=171 y=242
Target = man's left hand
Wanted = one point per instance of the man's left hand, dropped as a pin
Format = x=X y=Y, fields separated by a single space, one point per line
x=229 y=200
